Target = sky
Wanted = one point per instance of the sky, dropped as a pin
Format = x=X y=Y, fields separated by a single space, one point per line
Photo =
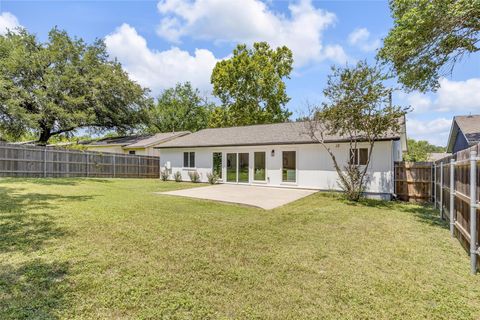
x=163 y=42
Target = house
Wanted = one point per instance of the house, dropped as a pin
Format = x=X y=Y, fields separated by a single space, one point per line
x=464 y=133
x=140 y=144
x=280 y=155
x=435 y=156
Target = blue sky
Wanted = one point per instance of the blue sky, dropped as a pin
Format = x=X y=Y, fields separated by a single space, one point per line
x=164 y=42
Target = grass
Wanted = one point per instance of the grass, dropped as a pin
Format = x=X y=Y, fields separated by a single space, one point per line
x=103 y=249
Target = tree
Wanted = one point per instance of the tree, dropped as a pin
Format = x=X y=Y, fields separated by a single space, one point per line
x=419 y=150
x=357 y=108
x=179 y=109
x=251 y=85
x=64 y=84
x=429 y=37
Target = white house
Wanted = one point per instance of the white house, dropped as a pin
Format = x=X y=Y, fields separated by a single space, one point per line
x=279 y=155
x=140 y=144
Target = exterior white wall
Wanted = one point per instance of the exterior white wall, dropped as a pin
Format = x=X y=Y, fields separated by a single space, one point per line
x=109 y=149
x=150 y=151
x=315 y=168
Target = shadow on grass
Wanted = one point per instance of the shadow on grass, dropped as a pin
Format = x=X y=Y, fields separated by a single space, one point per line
x=53 y=181
x=23 y=230
x=34 y=290
x=423 y=212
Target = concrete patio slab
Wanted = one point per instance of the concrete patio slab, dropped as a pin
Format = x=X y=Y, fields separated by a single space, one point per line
x=263 y=197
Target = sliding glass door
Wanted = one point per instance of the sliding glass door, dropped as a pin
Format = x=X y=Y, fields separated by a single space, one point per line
x=238 y=167
x=231 y=167
x=243 y=167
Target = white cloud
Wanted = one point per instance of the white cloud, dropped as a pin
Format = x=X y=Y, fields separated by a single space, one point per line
x=435 y=131
x=456 y=96
x=420 y=103
x=360 y=38
x=459 y=97
x=8 y=22
x=247 y=21
x=159 y=70
x=336 y=53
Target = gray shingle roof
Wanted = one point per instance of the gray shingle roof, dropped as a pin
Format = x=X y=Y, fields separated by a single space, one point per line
x=470 y=126
x=139 y=141
x=265 y=134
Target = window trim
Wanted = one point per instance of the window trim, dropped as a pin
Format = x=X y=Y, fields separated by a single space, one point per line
x=189 y=167
x=357 y=156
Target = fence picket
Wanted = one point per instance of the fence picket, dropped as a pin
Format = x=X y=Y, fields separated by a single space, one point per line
x=32 y=161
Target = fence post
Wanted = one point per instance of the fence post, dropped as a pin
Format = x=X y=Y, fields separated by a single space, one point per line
x=452 y=196
x=159 y=168
x=441 y=189
x=87 y=163
x=434 y=185
x=114 y=171
x=45 y=162
x=473 y=211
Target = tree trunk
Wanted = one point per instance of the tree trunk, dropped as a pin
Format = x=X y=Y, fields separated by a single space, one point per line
x=45 y=134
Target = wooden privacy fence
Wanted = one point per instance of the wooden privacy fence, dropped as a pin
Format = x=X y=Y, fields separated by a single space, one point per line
x=34 y=161
x=456 y=195
x=414 y=181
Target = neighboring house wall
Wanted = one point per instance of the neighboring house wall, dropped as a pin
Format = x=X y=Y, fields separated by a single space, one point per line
x=150 y=151
x=314 y=166
x=460 y=143
x=106 y=149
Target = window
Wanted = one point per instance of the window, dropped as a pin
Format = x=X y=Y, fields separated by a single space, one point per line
x=217 y=164
x=359 y=156
x=259 y=166
x=131 y=152
x=289 y=166
x=189 y=159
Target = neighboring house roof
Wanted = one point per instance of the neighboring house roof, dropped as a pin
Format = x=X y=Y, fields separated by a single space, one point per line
x=468 y=126
x=136 y=142
x=264 y=134
x=434 y=156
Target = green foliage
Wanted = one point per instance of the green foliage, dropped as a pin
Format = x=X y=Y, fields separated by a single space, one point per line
x=419 y=150
x=251 y=86
x=212 y=178
x=177 y=176
x=164 y=175
x=357 y=108
x=194 y=176
x=55 y=87
x=180 y=109
x=429 y=37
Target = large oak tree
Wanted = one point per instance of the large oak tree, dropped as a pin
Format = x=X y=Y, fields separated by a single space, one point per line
x=62 y=85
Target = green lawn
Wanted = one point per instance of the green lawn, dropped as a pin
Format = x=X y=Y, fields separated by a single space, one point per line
x=104 y=249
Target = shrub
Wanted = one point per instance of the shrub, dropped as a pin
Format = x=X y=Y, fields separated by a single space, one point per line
x=178 y=176
x=212 y=178
x=164 y=175
x=194 y=176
